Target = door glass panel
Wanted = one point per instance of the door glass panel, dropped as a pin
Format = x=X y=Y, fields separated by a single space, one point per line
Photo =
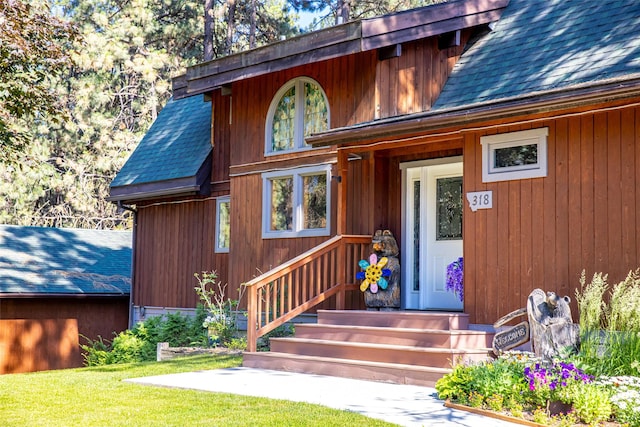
x=449 y=208
x=416 y=236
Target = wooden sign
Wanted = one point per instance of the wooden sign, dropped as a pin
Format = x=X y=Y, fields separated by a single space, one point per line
x=509 y=317
x=511 y=338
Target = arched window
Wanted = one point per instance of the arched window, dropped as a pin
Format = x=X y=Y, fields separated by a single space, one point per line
x=299 y=109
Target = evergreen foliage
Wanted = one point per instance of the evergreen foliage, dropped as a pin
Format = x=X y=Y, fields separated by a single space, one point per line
x=82 y=81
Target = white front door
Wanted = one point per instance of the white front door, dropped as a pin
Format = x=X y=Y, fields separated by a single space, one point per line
x=432 y=234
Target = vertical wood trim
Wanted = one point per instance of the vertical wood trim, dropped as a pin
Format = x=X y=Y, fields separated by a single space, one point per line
x=515 y=248
x=636 y=138
x=550 y=208
x=562 y=207
x=628 y=188
x=343 y=175
x=587 y=192
x=472 y=266
x=614 y=195
x=574 y=204
x=600 y=192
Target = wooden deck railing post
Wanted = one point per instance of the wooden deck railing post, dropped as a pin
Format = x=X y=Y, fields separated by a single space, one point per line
x=252 y=319
x=341 y=276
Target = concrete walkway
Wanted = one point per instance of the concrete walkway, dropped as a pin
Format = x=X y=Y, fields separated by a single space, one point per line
x=405 y=405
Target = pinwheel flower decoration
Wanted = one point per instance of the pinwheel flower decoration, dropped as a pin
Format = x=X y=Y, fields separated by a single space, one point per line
x=374 y=275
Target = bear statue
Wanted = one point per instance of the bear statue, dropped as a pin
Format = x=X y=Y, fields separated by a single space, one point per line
x=385 y=298
x=553 y=332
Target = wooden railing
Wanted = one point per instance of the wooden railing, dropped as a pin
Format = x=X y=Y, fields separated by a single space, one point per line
x=300 y=284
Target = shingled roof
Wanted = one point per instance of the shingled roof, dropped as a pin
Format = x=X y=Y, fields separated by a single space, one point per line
x=541 y=55
x=42 y=261
x=542 y=46
x=173 y=157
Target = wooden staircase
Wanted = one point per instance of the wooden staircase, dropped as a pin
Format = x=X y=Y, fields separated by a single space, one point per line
x=405 y=347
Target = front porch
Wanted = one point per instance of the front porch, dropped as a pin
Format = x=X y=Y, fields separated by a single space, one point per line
x=406 y=347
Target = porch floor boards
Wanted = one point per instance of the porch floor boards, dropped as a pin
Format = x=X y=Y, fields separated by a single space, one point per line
x=404 y=347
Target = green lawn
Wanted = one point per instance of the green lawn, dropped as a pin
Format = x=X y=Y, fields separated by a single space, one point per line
x=98 y=397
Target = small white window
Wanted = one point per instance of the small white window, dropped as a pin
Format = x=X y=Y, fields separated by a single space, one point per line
x=514 y=155
x=299 y=109
x=223 y=229
x=296 y=203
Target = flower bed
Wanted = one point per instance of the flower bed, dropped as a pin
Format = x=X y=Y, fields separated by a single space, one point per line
x=556 y=393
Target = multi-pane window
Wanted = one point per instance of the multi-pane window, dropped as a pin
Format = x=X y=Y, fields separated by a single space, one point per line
x=299 y=109
x=223 y=227
x=514 y=155
x=296 y=203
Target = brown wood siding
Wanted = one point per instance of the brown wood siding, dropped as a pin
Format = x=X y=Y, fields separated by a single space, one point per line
x=45 y=333
x=95 y=316
x=543 y=232
x=375 y=186
x=255 y=254
x=38 y=345
x=174 y=241
x=412 y=82
x=348 y=83
x=221 y=128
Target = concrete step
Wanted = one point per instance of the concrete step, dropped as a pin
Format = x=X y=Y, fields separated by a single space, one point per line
x=396 y=336
x=385 y=353
x=347 y=368
x=395 y=319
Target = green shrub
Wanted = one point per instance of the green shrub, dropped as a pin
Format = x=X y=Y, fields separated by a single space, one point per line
x=613 y=328
x=96 y=352
x=495 y=402
x=221 y=319
x=456 y=384
x=592 y=404
x=540 y=416
x=239 y=343
x=127 y=347
x=140 y=343
x=500 y=377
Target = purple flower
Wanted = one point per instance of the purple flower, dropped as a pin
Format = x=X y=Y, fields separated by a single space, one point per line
x=546 y=381
x=455 y=278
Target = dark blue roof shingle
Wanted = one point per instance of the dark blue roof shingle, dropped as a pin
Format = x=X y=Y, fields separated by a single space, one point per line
x=175 y=146
x=42 y=260
x=544 y=45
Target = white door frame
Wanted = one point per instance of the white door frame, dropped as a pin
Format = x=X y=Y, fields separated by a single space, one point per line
x=417 y=299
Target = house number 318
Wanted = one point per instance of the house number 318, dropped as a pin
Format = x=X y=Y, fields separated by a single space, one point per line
x=480 y=200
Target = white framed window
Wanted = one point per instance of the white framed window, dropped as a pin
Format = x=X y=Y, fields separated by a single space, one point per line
x=296 y=202
x=223 y=229
x=514 y=155
x=298 y=109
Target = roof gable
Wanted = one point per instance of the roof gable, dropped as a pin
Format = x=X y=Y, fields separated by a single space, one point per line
x=341 y=40
x=172 y=157
x=544 y=46
x=57 y=261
